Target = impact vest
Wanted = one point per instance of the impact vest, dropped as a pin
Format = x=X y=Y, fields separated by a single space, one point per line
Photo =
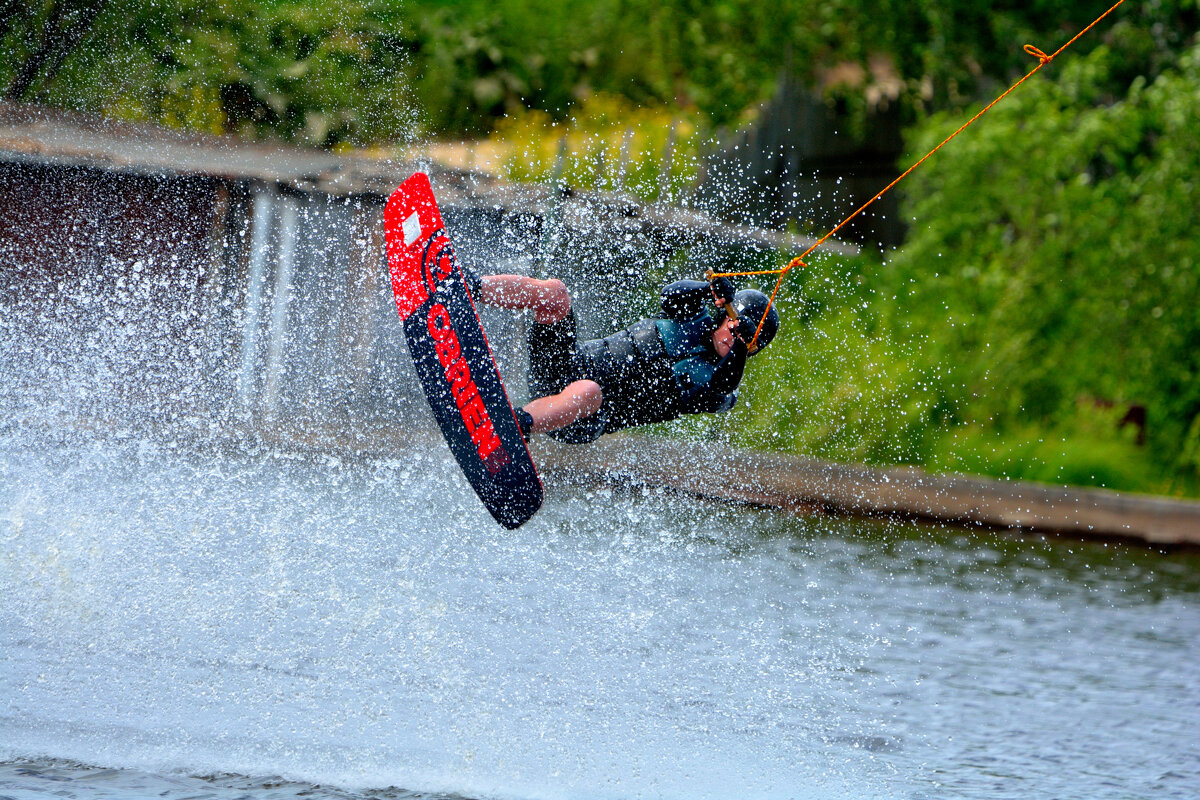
x=646 y=369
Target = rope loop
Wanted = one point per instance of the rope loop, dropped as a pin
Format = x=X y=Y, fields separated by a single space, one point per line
x=1038 y=54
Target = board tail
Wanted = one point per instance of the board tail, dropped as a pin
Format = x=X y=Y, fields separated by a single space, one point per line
x=452 y=356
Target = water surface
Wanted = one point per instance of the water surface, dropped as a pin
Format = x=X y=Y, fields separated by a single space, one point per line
x=360 y=627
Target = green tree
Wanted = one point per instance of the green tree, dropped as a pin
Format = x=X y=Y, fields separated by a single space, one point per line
x=1050 y=280
x=324 y=73
x=303 y=71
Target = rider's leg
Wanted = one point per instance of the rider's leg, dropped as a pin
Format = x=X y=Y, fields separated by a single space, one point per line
x=580 y=399
x=549 y=299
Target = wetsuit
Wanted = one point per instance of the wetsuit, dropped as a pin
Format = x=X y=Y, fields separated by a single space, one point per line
x=653 y=371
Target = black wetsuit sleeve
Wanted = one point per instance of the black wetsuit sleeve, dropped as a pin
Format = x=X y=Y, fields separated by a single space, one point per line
x=683 y=300
x=710 y=396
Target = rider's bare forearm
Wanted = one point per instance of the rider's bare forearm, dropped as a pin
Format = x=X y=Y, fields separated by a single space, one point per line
x=549 y=299
x=580 y=399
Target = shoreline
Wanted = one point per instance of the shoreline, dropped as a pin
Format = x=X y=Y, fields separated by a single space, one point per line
x=796 y=484
x=799 y=484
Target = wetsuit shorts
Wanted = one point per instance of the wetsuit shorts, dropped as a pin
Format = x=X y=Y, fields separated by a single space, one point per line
x=554 y=364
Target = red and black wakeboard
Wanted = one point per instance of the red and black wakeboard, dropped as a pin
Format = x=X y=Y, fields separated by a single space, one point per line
x=452 y=357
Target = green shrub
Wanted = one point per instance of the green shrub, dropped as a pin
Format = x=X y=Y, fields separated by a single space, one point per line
x=1073 y=274
x=1030 y=290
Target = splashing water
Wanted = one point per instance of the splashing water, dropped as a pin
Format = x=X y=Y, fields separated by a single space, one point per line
x=349 y=623
x=352 y=622
x=179 y=598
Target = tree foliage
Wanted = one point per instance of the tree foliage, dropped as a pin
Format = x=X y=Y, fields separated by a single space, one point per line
x=302 y=71
x=356 y=70
x=477 y=60
x=1035 y=300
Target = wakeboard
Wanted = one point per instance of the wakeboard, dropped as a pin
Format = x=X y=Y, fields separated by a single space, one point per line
x=452 y=356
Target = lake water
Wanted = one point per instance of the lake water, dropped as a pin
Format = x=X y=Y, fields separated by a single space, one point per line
x=183 y=622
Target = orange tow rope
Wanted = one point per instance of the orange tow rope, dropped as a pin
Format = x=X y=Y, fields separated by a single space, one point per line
x=798 y=261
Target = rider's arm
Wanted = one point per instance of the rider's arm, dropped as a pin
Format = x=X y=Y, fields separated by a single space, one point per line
x=684 y=300
x=710 y=395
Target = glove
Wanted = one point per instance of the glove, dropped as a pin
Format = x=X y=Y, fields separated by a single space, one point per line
x=722 y=288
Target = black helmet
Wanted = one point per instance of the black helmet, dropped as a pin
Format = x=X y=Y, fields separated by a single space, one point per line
x=749 y=305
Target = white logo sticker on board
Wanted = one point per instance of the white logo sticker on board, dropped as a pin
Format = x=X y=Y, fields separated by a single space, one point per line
x=411 y=229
